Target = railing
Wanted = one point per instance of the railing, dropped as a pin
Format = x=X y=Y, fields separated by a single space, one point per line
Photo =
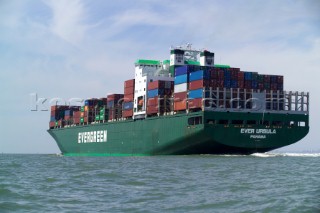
x=255 y=100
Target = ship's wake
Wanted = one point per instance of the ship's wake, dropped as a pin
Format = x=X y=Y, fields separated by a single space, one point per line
x=270 y=154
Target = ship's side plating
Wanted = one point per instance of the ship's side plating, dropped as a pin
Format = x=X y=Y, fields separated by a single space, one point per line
x=196 y=133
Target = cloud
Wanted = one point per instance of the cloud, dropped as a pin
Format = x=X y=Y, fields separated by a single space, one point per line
x=68 y=20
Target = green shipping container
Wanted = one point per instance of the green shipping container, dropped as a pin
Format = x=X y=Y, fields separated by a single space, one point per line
x=81 y=120
x=82 y=109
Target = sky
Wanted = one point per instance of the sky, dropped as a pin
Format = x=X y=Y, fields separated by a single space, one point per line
x=71 y=49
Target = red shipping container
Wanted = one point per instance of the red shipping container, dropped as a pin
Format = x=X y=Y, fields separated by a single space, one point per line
x=241 y=84
x=216 y=83
x=195 y=103
x=180 y=105
x=180 y=96
x=248 y=84
x=274 y=86
x=260 y=86
x=129 y=83
x=67 y=117
x=240 y=75
x=155 y=85
x=160 y=84
x=193 y=85
x=128 y=90
x=127 y=113
x=128 y=98
x=76 y=114
x=52 y=124
x=76 y=120
x=152 y=109
x=113 y=97
x=152 y=101
x=280 y=79
x=266 y=79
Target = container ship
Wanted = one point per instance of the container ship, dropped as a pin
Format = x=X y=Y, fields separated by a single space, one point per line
x=182 y=106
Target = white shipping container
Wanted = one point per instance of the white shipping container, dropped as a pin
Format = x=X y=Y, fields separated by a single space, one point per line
x=180 y=87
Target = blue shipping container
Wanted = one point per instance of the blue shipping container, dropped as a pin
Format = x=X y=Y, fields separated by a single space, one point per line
x=185 y=69
x=247 y=76
x=180 y=79
x=128 y=105
x=155 y=92
x=52 y=118
x=227 y=83
x=195 y=93
x=255 y=85
x=68 y=112
x=234 y=84
x=227 y=74
x=199 y=75
x=181 y=70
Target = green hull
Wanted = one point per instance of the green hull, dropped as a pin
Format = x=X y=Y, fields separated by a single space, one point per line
x=205 y=132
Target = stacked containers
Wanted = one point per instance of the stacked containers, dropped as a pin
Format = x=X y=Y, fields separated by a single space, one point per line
x=234 y=77
x=217 y=78
x=57 y=115
x=88 y=111
x=198 y=81
x=127 y=110
x=114 y=104
x=181 y=86
x=159 y=93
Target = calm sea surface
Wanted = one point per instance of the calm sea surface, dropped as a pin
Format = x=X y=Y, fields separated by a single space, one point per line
x=200 y=183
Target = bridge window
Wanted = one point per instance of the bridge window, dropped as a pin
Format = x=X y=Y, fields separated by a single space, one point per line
x=251 y=122
x=277 y=123
x=195 y=120
x=223 y=121
x=237 y=121
x=210 y=121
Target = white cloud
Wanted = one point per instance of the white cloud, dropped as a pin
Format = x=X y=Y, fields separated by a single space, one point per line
x=68 y=19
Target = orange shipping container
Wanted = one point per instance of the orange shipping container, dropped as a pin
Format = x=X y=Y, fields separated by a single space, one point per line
x=180 y=105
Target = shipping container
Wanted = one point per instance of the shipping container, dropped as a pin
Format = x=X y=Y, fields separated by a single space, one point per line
x=127 y=105
x=160 y=84
x=255 y=84
x=193 y=85
x=180 y=79
x=127 y=113
x=128 y=98
x=247 y=76
x=52 y=124
x=129 y=83
x=128 y=90
x=234 y=84
x=199 y=75
x=153 y=109
x=227 y=74
x=195 y=103
x=76 y=120
x=227 y=83
x=181 y=88
x=180 y=105
x=159 y=92
x=152 y=101
x=114 y=97
x=217 y=83
x=182 y=70
x=248 y=84
x=241 y=84
x=181 y=96
x=193 y=94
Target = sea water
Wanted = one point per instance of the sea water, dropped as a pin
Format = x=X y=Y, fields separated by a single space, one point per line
x=197 y=183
